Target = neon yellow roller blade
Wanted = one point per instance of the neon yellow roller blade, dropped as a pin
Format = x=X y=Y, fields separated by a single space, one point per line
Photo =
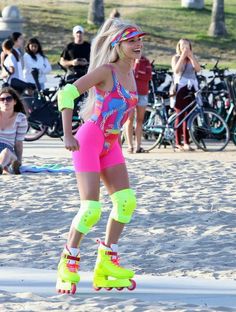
x=67 y=275
x=109 y=274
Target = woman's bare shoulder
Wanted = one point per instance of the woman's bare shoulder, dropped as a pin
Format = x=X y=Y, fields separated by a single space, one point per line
x=175 y=57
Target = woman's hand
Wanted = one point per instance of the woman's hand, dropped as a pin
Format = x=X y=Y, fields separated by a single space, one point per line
x=190 y=54
x=185 y=52
x=71 y=143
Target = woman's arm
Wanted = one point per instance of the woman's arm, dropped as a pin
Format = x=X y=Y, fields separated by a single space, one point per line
x=8 y=67
x=70 y=142
x=194 y=61
x=19 y=150
x=2 y=57
x=179 y=62
x=99 y=77
x=8 y=73
x=22 y=126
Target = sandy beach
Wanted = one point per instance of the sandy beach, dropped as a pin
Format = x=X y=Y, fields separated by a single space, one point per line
x=184 y=226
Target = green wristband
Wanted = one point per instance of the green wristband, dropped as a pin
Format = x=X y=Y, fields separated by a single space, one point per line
x=67 y=96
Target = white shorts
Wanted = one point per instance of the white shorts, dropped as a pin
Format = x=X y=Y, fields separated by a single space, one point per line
x=142 y=100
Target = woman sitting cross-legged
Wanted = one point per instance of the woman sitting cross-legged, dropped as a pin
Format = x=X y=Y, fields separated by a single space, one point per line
x=13 y=127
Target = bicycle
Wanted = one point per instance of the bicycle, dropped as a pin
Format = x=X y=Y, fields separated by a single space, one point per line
x=207 y=129
x=228 y=111
x=161 y=79
x=43 y=115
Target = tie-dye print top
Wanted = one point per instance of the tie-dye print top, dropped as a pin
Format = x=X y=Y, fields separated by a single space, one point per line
x=112 y=110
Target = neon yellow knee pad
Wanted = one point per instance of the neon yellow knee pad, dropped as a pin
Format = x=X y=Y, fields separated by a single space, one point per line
x=124 y=203
x=66 y=97
x=88 y=215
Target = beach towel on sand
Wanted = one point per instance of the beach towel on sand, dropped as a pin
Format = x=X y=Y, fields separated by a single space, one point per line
x=54 y=168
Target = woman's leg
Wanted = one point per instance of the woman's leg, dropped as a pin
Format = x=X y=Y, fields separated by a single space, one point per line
x=115 y=179
x=129 y=131
x=181 y=103
x=185 y=131
x=189 y=99
x=88 y=185
x=139 y=125
x=87 y=167
x=87 y=216
x=6 y=157
x=179 y=130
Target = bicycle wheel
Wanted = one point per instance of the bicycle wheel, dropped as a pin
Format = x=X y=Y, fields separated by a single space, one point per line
x=35 y=132
x=209 y=131
x=153 y=130
x=233 y=133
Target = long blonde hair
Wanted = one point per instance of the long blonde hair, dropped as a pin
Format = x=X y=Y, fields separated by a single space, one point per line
x=102 y=53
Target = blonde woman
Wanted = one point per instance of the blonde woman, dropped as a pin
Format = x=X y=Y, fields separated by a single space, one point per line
x=97 y=153
x=184 y=66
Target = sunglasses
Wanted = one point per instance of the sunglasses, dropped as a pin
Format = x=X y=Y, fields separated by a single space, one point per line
x=8 y=98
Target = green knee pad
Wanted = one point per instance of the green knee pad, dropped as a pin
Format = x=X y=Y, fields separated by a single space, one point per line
x=88 y=215
x=124 y=203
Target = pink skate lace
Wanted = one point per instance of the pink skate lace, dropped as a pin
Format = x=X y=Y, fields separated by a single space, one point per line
x=116 y=259
x=73 y=267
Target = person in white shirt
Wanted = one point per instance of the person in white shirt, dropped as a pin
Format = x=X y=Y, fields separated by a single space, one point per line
x=18 y=40
x=18 y=43
x=35 y=58
x=12 y=67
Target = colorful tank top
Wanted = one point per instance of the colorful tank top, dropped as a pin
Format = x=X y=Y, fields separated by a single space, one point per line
x=111 y=110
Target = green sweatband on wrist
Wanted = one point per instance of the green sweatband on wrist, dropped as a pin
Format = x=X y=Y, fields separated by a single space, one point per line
x=66 y=97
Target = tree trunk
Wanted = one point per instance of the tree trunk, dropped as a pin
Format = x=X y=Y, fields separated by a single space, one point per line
x=96 y=12
x=217 y=27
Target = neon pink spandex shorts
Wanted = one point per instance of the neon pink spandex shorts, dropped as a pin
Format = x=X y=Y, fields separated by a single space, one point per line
x=88 y=158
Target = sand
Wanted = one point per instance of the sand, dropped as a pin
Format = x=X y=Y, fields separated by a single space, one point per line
x=184 y=226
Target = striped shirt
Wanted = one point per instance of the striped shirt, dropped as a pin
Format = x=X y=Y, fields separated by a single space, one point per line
x=16 y=133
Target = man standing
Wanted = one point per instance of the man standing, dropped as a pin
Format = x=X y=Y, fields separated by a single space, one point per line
x=75 y=57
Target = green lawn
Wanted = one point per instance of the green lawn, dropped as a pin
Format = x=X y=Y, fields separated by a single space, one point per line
x=164 y=20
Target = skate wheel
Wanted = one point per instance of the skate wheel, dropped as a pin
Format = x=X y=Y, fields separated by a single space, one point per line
x=108 y=288
x=97 y=288
x=132 y=286
x=73 y=289
x=119 y=288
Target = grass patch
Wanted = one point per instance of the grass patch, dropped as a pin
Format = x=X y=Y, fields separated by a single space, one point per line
x=165 y=21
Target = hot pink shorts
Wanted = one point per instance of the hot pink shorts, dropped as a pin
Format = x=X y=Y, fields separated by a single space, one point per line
x=88 y=158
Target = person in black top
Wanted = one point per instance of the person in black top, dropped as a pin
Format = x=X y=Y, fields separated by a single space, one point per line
x=75 y=56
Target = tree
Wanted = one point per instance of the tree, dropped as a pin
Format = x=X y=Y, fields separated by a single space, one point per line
x=217 y=27
x=96 y=12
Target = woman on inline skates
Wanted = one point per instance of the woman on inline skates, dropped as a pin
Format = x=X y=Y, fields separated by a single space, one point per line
x=97 y=153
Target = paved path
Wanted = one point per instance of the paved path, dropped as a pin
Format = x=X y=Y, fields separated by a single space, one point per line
x=149 y=288
x=48 y=147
